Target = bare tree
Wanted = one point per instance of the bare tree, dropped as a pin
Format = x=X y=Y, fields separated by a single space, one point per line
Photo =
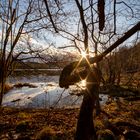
x=96 y=38
x=21 y=21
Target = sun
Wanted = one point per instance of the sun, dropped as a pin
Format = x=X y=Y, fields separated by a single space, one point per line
x=83 y=54
x=83 y=82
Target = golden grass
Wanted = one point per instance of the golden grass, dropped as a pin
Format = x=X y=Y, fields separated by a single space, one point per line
x=7 y=88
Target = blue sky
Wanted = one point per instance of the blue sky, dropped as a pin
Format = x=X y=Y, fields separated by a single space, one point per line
x=123 y=23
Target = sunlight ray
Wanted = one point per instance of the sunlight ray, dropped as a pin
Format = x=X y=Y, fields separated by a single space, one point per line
x=83 y=54
x=84 y=57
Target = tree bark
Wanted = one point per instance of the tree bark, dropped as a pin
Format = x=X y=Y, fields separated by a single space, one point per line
x=85 y=125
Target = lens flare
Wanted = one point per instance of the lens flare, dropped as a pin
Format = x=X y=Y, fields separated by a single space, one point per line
x=83 y=54
x=83 y=84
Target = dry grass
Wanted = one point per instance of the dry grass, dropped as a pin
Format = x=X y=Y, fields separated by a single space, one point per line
x=8 y=87
x=57 y=124
x=60 y=124
x=20 y=85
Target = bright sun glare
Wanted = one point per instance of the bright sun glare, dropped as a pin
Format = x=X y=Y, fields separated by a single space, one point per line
x=84 y=55
x=83 y=84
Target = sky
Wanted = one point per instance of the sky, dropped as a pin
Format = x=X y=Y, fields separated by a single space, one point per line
x=59 y=41
x=125 y=20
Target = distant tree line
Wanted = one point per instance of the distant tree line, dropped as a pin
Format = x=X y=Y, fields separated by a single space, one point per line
x=124 y=60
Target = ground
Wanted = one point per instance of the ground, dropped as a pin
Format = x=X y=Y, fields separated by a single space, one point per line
x=17 y=123
x=119 y=118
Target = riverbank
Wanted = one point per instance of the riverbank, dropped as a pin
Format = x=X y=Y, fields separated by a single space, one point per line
x=119 y=118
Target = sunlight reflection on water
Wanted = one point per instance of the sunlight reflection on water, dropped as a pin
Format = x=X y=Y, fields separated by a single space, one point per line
x=47 y=94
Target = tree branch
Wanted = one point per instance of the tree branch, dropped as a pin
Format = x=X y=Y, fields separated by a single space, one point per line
x=67 y=71
x=50 y=16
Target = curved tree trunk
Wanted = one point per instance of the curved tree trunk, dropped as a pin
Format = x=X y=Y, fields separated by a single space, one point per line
x=85 y=125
